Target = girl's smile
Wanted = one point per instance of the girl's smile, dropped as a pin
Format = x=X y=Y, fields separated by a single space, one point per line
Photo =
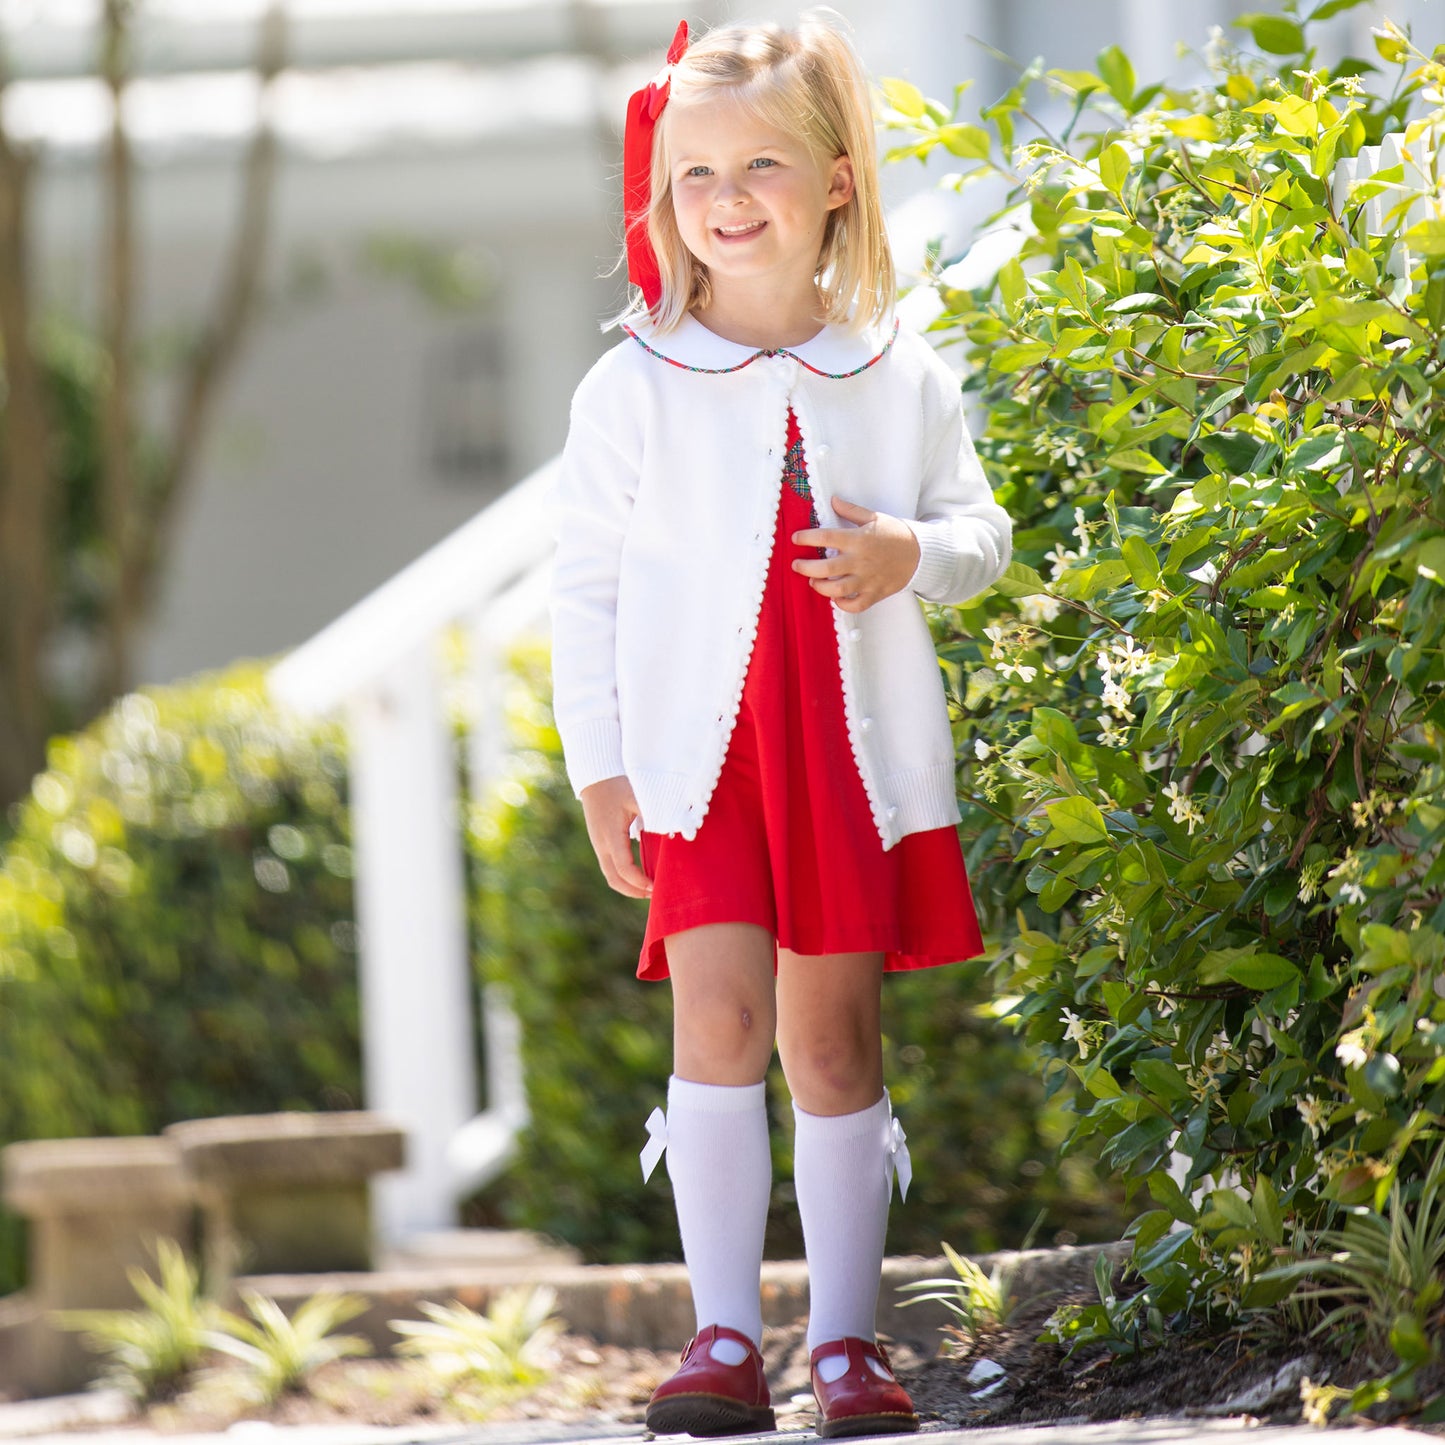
x=739 y=233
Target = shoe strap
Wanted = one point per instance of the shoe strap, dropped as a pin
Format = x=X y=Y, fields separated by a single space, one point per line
x=855 y=1350
x=720 y=1332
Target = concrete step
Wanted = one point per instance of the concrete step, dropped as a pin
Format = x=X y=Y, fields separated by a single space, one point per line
x=476 y=1249
x=649 y=1306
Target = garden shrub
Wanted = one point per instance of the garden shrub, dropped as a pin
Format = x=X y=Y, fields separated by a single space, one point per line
x=1204 y=710
x=597 y=1049
x=176 y=936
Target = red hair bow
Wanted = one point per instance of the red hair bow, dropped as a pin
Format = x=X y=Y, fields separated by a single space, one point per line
x=643 y=110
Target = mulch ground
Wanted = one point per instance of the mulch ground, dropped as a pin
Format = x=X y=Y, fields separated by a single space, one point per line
x=1231 y=1376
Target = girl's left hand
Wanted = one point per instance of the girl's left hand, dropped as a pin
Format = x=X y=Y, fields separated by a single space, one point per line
x=875 y=558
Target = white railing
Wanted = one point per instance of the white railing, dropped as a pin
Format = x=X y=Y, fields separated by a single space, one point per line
x=378 y=666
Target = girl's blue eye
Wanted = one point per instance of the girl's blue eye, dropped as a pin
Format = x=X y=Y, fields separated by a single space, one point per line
x=697 y=170
x=765 y=161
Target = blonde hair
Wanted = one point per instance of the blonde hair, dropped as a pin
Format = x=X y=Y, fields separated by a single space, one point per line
x=810 y=83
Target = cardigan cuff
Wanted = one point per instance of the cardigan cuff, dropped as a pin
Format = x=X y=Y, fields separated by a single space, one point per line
x=593 y=751
x=935 y=562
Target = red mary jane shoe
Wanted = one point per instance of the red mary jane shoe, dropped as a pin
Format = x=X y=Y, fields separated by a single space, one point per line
x=860 y=1402
x=706 y=1397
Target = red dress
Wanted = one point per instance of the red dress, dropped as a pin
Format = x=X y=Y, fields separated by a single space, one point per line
x=788 y=839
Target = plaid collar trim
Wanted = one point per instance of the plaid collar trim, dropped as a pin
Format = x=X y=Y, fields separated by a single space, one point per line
x=833 y=352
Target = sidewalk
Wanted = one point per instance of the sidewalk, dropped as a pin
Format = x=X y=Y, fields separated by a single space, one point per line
x=1120 y=1432
x=45 y=1420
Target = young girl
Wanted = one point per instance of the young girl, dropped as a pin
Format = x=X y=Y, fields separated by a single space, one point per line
x=759 y=483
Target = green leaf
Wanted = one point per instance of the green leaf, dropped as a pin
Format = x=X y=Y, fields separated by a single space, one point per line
x=1333 y=7
x=1012 y=284
x=1409 y=1341
x=1118 y=74
x=1166 y=1191
x=1101 y=1083
x=1114 y=167
x=1161 y=1078
x=1231 y=1208
x=904 y=97
x=1195 y=127
x=1382 y=1074
x=1262 y=971
x=1135 y=303
x=1135 y=459
x=1267 y=1213
x=1056 y=731
x=1142 y=562
x=1391 y=48
x=1019 y=580
x=1430 y=559
x=1020 y=355
x=1077 y=820
x=969 y=141
x=1426 y=237
x=1276 y=34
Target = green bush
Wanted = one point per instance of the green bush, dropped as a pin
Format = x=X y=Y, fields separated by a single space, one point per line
x=597 y=1047
x=1205 y=708
x=175 y=923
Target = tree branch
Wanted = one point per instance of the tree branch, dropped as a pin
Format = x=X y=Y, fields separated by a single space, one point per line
x=119 y=523
x=219 y=343
x=28 y=494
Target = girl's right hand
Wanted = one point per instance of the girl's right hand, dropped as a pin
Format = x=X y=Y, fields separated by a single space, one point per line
x=609 y=808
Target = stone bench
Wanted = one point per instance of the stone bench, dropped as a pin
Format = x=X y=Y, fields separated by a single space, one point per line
x=286 y=1193
x=94 y=1208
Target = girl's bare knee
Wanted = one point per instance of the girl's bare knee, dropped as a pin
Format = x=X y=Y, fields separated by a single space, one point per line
x=730 y=1036
x=833 y=1075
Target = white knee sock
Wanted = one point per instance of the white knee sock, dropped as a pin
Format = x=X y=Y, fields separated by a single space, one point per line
x=721 y=1169
x=843 y=1169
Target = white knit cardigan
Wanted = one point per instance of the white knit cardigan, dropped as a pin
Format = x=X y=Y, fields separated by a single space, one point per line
x=664 y=512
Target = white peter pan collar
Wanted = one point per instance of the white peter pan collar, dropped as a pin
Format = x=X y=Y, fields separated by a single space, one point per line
x=834 y=352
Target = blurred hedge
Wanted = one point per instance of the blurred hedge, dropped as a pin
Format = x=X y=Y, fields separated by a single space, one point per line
x=176 y=941
x=175 y=923
x=597 y=1050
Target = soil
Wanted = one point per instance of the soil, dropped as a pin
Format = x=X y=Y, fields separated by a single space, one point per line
x=606 y=1384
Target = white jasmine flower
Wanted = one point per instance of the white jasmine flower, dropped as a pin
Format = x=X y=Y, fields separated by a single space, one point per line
x=1352 y=1051
x=1363 y=812
x=1061 y=448
x=1061 y=557
x=1312 y=1111
x=1132 y=658
x=1040 y=607
x=1351 y=893
x=1110 y=736
x=980 y=748
x=1026 y=672
x=1076 y=1031
x=1117 y=699
x=1182 y=807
